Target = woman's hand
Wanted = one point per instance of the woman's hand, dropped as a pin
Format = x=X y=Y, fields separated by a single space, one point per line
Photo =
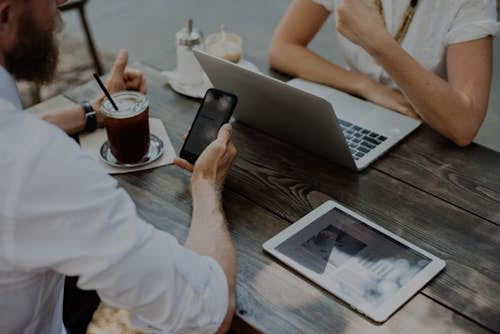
x=387 y=97
x=361 y=24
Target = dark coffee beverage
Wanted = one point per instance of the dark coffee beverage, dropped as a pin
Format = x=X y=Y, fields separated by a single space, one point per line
x=127 y=128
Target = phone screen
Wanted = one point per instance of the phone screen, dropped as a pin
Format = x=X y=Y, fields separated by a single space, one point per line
x=216 y=109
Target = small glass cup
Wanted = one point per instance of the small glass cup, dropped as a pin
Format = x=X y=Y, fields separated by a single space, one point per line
x=225 y=45
x=127 y=128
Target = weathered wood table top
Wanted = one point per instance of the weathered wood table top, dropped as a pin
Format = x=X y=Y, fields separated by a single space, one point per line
x=426 y=190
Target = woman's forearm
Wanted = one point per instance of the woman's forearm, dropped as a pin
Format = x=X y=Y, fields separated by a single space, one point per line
x=456 y=107
x=297 y=60
x=289 y=53
x=447 y=110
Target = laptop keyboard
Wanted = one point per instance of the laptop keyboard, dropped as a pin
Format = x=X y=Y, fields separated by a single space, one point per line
x=361 y=141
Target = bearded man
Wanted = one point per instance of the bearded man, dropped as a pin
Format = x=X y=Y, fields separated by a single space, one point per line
x=61 y=215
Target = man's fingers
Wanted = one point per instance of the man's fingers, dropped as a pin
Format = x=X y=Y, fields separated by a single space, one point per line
x=135 y=80
x=225 y=134
x=183 y=164
x=232 y=152
x=143 y=87
x=134 y=83
x=120 y=63
x=131 y=73
x=185 y=135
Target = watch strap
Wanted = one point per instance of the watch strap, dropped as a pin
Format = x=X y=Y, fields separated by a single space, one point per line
x=90 y=117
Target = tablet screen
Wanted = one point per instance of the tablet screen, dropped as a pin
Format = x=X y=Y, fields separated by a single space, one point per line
x=362 y=264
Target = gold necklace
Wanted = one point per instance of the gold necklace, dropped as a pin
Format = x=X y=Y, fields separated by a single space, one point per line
x=403 y=29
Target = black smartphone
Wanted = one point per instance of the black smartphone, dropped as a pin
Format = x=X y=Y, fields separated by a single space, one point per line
x=215 y=110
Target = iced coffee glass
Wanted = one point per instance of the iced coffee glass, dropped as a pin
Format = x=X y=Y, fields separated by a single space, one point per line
x=127 y=128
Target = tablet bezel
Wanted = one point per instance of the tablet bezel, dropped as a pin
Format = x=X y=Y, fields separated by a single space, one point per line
x=386 y=309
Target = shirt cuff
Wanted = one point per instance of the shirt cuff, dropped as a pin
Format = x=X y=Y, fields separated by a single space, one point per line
x=217 y=295
x=328 y=4
x=220 y=293
x=472 y=31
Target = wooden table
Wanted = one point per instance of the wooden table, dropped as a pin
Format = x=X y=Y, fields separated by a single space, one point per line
x=442 y=198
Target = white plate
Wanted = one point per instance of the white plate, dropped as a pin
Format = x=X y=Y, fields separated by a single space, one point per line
x=199 y=90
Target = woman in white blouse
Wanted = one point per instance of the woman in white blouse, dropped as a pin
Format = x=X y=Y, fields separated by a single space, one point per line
x=426 y=59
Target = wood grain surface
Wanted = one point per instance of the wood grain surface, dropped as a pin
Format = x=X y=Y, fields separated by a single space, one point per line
x=435 y=195
x=468 y=178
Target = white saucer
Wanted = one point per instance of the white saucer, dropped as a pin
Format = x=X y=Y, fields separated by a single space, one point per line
x=199 y=90
x=156 y=149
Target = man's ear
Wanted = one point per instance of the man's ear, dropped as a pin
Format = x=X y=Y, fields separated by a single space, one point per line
x=5 y=15
x=6 y=22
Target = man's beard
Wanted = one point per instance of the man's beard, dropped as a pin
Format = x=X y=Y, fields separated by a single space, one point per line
x=35 y=55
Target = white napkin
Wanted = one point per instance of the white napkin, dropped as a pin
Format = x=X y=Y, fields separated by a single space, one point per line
x=92 y=142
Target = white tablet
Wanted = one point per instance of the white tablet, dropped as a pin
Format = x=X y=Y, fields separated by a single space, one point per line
x=368 y=267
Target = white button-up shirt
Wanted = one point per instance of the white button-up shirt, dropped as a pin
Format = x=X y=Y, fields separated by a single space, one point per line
x=436 y=25
x=60 y=214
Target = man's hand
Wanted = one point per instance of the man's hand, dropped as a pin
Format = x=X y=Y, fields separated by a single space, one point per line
x=361 y=24
x=123 y=78
x=387 y=97
x=120 y=78
x=208 y=234
x=215 y=162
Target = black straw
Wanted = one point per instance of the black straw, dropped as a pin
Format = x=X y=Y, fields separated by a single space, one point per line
x=96 y=77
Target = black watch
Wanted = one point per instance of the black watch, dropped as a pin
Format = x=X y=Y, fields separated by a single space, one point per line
x=90 y=116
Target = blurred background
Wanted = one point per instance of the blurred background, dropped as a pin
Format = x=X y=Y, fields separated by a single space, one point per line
x=148 y=30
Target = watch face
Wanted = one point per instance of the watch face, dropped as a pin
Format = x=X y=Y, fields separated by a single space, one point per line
x=90 y=117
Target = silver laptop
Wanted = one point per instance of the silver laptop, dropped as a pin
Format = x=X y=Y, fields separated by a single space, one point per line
x=319 y=119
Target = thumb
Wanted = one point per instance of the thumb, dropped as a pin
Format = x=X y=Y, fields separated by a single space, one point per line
x=183 y=164
x=120 y=63
x=225 y=134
